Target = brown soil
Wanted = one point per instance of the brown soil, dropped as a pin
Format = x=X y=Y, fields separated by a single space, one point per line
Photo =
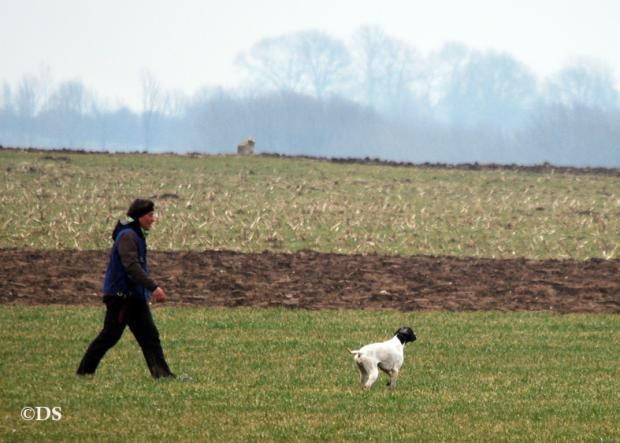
x=312 y=280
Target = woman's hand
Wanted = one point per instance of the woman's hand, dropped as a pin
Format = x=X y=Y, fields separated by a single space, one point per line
x=159 y=295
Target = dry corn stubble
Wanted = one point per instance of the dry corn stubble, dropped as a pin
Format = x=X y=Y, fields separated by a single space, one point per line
x=258 y=203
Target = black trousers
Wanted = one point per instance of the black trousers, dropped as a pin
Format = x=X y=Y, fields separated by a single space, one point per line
x=135 y=313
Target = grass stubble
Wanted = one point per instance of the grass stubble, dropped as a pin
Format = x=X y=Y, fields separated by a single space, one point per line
x=69 y=201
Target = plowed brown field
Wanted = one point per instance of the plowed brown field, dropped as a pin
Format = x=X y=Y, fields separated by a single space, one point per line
x=313 y=280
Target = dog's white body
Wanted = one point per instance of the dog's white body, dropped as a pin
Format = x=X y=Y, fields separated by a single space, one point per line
x=387 y=356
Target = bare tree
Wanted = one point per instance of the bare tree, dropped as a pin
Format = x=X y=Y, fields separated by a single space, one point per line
x=28 y=101
x=274 y=62
x=101 y=111
x=154 y=104
x=309 y=62
x=327 y=62
x=7 y=115
x=69 y=97
x=484 y=89
x=587 y=83
x=65 y=113
x=7 y=97
x=388 y=67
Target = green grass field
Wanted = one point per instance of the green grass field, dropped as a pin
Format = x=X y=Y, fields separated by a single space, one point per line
x=281 y=375
x=286 y=375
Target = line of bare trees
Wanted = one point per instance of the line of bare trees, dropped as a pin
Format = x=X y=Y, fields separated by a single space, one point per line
x=310 y=93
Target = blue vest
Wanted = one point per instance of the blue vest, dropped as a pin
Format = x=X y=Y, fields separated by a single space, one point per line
x=117 y=281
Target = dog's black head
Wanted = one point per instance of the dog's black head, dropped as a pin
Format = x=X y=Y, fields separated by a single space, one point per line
x=405 y=335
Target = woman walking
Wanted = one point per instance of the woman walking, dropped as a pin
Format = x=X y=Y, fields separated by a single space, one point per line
x=127 y=289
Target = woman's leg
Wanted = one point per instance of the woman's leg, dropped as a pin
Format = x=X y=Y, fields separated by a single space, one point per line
x=113 y=327
x=143 y=328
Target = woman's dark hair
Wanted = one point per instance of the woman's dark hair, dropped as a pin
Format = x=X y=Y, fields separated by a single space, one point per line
x=137 y=209
x=140 y=207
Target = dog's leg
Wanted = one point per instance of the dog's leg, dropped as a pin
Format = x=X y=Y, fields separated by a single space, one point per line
x=373 y=373
x=393 y=377
x=363 y=372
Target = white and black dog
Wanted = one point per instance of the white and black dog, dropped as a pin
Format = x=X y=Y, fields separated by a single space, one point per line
x=387 y=356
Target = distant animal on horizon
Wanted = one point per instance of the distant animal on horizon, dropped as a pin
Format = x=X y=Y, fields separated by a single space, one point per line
x=387 y=356
x=246 y=147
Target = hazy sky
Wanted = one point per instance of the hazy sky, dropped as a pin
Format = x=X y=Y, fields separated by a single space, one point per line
x=187 y=44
